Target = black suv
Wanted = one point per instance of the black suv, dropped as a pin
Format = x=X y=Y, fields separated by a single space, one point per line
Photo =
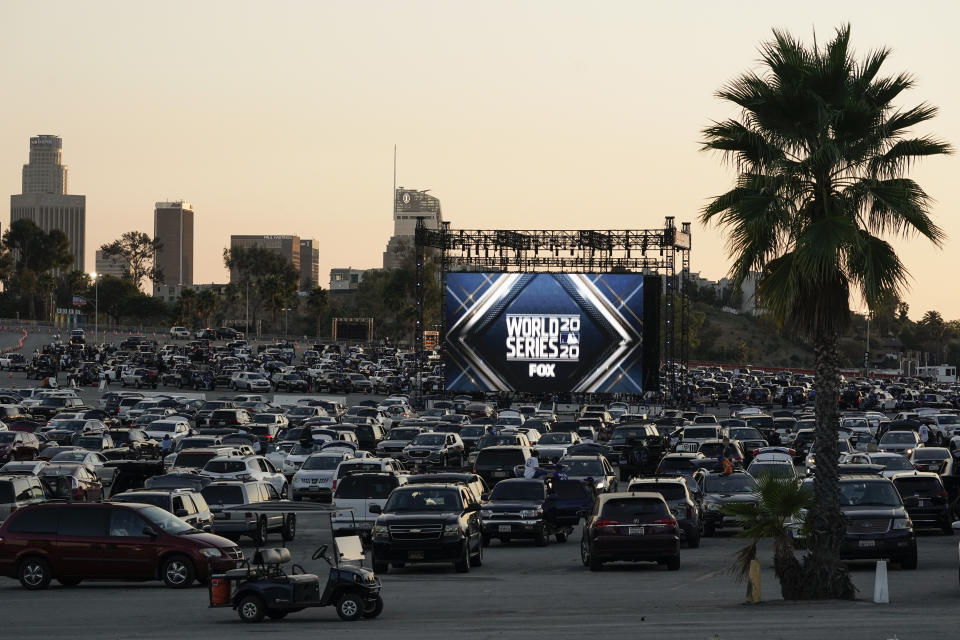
x=877 y=524
x=428 y=523
x=720 y=490
x=530 y=508
x=497 y=463
x=434 y=449
x=925 y=498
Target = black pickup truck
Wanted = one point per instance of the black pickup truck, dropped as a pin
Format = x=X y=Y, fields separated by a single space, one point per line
x=534 y=508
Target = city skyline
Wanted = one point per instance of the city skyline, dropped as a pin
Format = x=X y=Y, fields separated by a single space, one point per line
x=515 y=115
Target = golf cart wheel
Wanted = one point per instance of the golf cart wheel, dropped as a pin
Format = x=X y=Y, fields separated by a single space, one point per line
x=289 y=527
x=350 y=607
x=375 y=610
x=251 y=609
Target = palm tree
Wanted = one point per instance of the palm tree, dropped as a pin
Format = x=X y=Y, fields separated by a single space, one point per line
x=778 y=502
x=822 y=156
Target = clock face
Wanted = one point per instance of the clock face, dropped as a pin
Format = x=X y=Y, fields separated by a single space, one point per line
x=406 y=198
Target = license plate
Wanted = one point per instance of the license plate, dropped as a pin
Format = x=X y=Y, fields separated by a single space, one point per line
x=415 y=555
x=867 y=543
x=921 y=502
x=504 y=528
x=635 y=531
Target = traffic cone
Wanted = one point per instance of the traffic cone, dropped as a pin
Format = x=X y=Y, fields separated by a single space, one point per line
x=881 y=590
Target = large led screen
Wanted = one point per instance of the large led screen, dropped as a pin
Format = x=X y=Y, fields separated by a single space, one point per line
x=545 y=332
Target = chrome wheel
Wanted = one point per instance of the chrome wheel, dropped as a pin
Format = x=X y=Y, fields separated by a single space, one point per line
x=176 y=572
x=33 y=574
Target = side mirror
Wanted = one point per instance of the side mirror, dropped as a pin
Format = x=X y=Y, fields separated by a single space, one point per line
x=375 y=508
x=149 y=532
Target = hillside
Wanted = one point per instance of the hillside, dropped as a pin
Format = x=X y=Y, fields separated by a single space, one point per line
x=729 y=338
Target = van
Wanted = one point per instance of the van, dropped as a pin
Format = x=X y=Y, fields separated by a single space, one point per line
x=123 y=542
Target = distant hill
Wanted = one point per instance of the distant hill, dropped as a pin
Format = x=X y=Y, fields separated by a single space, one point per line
x=729 y=338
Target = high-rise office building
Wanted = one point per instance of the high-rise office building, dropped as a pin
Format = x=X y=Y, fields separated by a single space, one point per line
x=309 y=265
x=45 y=199
x=173 y=227
x=286 y=246
x=408 y=205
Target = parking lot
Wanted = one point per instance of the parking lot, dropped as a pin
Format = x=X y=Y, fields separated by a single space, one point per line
x=521 y=590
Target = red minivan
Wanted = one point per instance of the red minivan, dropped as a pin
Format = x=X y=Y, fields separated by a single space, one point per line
x=79 y=541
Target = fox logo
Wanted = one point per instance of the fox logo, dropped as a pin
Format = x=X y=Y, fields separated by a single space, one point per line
x=542 y=370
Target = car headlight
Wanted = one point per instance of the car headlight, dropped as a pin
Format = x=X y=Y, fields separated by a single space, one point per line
x=485 y=514
x=711 y=506
x=379 y=531
x=909 y=452
x=451 y=529
x=902 y=524
x=210 y=552
x=531 y=513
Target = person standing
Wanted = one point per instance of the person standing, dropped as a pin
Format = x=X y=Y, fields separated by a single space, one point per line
x=924 y=432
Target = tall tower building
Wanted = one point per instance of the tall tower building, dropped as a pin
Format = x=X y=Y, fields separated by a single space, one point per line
x=45 y=200
x=309 y=265
x=408 y=205
x=173 y=227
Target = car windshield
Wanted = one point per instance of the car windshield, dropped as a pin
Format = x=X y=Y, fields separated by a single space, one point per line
x=634 y=510
x=473 y=432
x=557 y=438
x=301 y=411
x=735 y=483
x=156 y=499
x=579 y=468
x=163 y=427
x=920 y=486
x=946 y=419
x=775 y=469
x=933 y=453
x=745 y=433
x=366 y=488
x=898 y=437
x=892 y=463
x=875 y=493
x=403 y=434
x=524 y=491
x=676 y=464
x=223 y=494
x=7 y=436
x=429 y=439
x=88 y=442
x=197 y=460
x=58 y=470
x=669 y=490
x=700 y=433
x=417 y=499
x=225 y=466
x=168 y=522
x=69 y=456
x=265 y=418
x=322 y=463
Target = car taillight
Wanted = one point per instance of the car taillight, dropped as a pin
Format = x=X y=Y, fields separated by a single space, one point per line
x=689 y=512
x=600 y=524
x=791 y=452
x=474 y=468
x=667 y=521
x=943 y=493
x=334 y=483
x=248 y=514
x=756 y=451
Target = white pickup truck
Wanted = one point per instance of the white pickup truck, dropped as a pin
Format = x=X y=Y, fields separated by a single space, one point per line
x=138 y=377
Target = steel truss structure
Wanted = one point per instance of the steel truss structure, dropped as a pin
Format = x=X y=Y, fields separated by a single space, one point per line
x=664 y=252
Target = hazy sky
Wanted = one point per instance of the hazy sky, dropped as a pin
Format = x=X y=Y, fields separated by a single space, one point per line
x=280 y=117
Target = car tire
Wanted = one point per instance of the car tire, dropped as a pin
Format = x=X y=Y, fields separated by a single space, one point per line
x=289 y=527
x=177 y=572
x=380 y=567
x=463 y=564
x=693 y=539
x=34 y=573
x=584 y=552
x=485 y=540
x=375 y=610
x=260 y=535
x=947 y=528
x=350 y=607
x=251 y=608
x=673 y=563
x=69 y=582
x=595 y=564
x=909 y=561
x=709 y=529
x=477 y=560
x=561 y=537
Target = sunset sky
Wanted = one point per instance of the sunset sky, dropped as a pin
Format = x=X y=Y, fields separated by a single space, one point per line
x=280 y=117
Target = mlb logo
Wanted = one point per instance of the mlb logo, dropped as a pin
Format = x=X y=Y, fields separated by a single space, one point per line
x=570 y=338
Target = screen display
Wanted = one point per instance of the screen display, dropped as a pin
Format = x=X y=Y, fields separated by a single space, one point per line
x=544 y=332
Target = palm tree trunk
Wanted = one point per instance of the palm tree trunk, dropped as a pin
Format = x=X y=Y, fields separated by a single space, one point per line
x=825 y=577
x=787 y=568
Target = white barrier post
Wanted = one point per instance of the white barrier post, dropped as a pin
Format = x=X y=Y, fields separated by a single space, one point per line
x=881 y=591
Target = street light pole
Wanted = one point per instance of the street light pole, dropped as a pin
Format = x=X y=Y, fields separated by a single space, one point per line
x=247 y=323
x=286 y=322
x=96 y=303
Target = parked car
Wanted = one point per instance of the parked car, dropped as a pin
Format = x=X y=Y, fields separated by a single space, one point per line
x=249 y=468
x=428 y=523
x=682 y=505
x=435 y=449
x=926 y=500
x=497 y=463
x=233 y=524
x=314 y=479
x=720 y=490
x=635 y=527
x=355 y=494
x=126 y=542
x=18 y=445
x=18 y=491
x=186 y=504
